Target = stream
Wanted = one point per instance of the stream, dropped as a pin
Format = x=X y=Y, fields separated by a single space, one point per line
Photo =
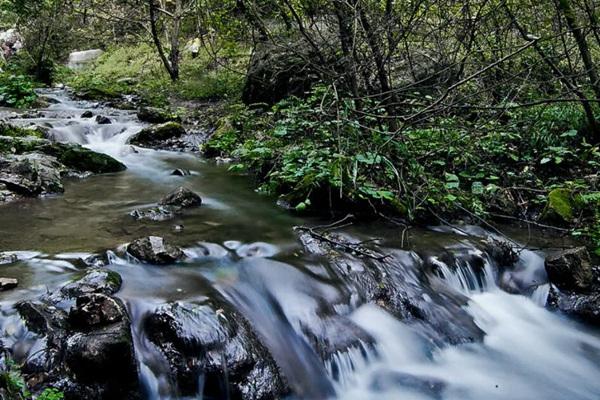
x=485 y=334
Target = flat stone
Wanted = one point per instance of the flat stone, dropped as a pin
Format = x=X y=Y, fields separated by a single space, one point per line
x=8 y=283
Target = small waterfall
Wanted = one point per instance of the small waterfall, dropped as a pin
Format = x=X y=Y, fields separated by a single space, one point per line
x=540 y=295
x=343 y=366
x=466 y=277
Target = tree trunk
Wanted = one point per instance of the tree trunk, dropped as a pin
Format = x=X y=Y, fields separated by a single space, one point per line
x=569 y=14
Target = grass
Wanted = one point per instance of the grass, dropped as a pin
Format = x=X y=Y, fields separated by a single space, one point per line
x=138 y=70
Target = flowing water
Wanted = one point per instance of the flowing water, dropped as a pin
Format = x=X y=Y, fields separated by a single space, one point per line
x=479 y=341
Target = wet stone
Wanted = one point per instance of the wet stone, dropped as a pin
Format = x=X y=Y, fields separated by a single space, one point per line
x=101 y=120
x=95 y=310
x=181 y=197
x=8 y=283
x=87 y=114
x=153 y=214
x=6 y=258
x=570 y=269
x=155 y=250
x=181 y=172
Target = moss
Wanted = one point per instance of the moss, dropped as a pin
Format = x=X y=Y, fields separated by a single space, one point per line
x=82 y=159
x=560 y=205
x=16 y=132
x=158 y=133
x=223 y=141
x=72 y=156
x=114 y=280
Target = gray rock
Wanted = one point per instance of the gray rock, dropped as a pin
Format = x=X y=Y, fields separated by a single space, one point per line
x=570 y=269
x=95 y=280
x=31 y=174
x=155 y=250
x=181 y=197
x=96 y=309
x=87 y=114
x=8 y=283
x=585 y=307
x=88 y=352
x=6 y=258
x=161 y=213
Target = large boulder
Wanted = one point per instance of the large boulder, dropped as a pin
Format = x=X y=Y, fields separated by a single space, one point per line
x=155 y=250
x=85 y=351
x=217 y=343
x=81 y=159
x=71 y=155
x=276 y=72
x=78 y=59
x=11 y=42
x=155 y=135
x=31 y=174
x=570 y=269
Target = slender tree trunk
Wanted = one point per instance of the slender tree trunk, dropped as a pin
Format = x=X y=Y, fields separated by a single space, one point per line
x=569 y=14
x=173 y=74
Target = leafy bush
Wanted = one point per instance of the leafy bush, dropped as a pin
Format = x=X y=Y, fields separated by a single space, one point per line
x=16 y=90
x=321 y=149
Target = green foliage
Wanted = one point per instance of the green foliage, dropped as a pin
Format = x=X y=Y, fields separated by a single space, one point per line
x=13 y=382
x=16 y=90
x=51 y=394
x=138 y=70
x=320 y=148
x=15 y=387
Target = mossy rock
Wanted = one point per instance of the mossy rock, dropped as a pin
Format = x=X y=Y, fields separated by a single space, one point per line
x=81 y=159
x=15 y=131
x=22 y=144
x=223 y=141
x=156 y=115
x=158 y=133
x=71 y=155
x=560 y=206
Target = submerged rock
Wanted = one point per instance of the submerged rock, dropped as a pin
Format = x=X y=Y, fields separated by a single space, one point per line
x=156 y=115
x=154 y=214
x=154 y=135
x=570 y=269
x=155 y=250
x=181 y=197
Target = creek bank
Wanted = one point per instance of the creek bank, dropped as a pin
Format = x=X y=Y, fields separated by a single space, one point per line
x=31 y=166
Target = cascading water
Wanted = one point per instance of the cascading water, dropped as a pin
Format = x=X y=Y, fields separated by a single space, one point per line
x=464 y=327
